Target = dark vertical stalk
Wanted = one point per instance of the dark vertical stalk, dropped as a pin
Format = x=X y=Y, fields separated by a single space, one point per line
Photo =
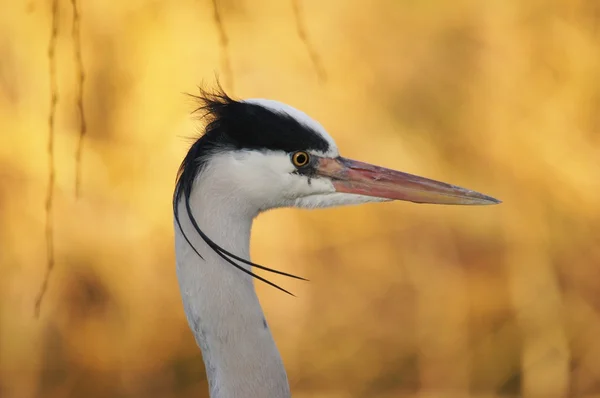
x=301 y=29
x=224 y=43
x=51 y=165
x=76 y=33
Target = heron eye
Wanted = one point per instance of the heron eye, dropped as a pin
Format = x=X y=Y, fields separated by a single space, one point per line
x=300 y=159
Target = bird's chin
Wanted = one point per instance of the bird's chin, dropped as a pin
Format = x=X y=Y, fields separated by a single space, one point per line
x=335 y=199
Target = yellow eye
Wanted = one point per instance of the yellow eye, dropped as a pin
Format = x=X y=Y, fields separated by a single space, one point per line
x=300 y=158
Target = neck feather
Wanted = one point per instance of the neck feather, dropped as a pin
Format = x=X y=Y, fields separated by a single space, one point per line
x=220 y=302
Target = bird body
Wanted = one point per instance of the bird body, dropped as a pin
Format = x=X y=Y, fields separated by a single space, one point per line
x=257 y=155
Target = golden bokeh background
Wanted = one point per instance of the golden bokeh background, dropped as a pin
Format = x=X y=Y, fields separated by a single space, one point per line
x=502 y=97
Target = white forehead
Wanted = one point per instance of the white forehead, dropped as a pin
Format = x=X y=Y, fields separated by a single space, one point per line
x=301 y=117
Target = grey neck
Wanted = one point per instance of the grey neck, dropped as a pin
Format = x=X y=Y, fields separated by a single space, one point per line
x=221 y=305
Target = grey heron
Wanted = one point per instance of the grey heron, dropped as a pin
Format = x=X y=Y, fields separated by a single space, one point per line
x=255 y=155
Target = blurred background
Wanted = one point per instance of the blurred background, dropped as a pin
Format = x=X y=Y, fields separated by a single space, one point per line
x=502 y=97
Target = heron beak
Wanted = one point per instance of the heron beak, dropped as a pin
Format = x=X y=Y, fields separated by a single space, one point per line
x=354 y=177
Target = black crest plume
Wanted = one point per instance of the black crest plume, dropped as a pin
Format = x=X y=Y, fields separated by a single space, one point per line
x=230 y=125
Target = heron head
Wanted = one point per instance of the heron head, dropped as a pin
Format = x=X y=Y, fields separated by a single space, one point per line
x=260 y=154
x=268 y=154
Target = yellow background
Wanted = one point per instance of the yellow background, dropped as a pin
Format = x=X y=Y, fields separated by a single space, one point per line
x=502 y=97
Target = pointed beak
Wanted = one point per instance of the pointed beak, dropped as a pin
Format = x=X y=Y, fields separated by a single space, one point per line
x=354 y=177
